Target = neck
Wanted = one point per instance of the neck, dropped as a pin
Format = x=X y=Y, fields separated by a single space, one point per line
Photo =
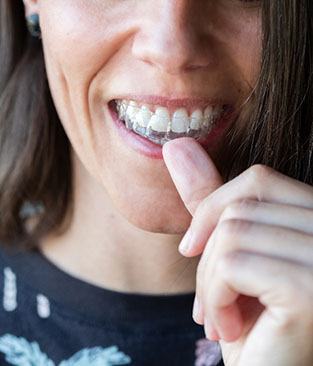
x=103 y=248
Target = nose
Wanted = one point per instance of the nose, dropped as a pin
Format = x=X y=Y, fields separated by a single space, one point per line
x=172 y=36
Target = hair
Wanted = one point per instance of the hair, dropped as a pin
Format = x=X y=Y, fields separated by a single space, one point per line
x=276 y=125
x=35 y=162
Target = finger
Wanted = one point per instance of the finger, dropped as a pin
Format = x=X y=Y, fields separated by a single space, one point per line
x=276 y=283
x=203 y=272
x=232 y=235
x=245 y=313
x=275 y=241
x=192 y=170
x=257 y=183
x=210 y=332
x=293 y=217
x=229 y=320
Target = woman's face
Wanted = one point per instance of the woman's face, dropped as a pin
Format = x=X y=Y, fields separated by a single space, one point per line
x=97 y=51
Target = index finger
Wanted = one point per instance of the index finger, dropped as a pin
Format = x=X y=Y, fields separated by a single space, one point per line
x=259 y=182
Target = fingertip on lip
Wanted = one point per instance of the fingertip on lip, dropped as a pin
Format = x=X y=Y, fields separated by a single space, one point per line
x=168 y=145
x=167 y=148
x=181 y=141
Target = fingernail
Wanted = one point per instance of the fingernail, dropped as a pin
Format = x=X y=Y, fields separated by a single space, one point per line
x=185 y=243
x=210 y=331
x=196 y=309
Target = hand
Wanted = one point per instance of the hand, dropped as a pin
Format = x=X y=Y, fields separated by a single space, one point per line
x=254 y=286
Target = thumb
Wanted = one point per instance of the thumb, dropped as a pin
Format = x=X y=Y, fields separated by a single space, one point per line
x=192 y=170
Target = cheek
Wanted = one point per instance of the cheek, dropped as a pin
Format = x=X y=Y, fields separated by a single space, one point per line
x=81 y=37
x=247 y=56
x=78 y=41
x=240 y=34
x=246 y=49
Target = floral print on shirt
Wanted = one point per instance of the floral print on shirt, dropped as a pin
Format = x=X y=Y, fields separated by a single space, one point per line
x=20 y=352
x=208 y=353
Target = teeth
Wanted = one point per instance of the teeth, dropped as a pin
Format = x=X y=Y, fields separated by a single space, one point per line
x=217 y=111
x=160 y=126
x=160 y=120
x=143 y=117
x=208 y=116
x=132 y=109
x=121 y=111
x=196 y=119
x=180 y=121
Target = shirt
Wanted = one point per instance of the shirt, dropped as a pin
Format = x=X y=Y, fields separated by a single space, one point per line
x=49 y=317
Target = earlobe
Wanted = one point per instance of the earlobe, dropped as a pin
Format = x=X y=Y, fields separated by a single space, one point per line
x=31 y=7
x=32 y=17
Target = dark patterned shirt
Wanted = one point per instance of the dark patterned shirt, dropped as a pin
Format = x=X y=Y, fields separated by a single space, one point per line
x=49 y=317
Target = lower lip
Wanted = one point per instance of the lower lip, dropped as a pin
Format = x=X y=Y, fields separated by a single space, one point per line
x=154 y=151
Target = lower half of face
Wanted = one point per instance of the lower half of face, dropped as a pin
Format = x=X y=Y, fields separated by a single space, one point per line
x=128 y=76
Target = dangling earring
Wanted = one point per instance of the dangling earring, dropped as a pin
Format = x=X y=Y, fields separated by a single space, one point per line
x=33 y=25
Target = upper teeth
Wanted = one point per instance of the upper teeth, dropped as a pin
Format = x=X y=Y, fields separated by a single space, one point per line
x=162 y=121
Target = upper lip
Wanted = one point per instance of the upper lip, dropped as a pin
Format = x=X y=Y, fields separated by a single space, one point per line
x=170 y=102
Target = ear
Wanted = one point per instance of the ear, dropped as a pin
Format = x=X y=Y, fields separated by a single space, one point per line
x=31 y=6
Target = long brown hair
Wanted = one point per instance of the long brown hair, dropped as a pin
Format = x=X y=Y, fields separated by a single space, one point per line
x=35 y=162
x=276 y=126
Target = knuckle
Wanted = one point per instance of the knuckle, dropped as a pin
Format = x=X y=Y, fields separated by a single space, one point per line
x=295 y=317
x=259 y=171
x=237 y=209
x=286 y=321
x=231 y=229
x=259 y=174
x=289 y=317
x=285 y=317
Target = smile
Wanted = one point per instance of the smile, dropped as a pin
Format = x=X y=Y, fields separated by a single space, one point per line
x=159 y=124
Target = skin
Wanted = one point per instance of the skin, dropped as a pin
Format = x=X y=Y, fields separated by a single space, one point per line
x=97 y=50
x=251 y=249
x=254 y=280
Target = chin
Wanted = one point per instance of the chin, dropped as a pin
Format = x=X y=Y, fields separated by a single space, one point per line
x=166 y=217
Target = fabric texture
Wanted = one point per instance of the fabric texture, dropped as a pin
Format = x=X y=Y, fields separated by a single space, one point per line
x=49 y=317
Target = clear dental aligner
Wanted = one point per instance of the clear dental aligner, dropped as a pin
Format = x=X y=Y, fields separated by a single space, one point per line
x=158 y=125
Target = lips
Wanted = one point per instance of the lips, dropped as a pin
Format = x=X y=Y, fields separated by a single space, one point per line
x=172 y=103
x=135 y=142
x=151 y=149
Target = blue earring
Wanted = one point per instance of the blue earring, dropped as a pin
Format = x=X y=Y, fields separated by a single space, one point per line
x=33 y=25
